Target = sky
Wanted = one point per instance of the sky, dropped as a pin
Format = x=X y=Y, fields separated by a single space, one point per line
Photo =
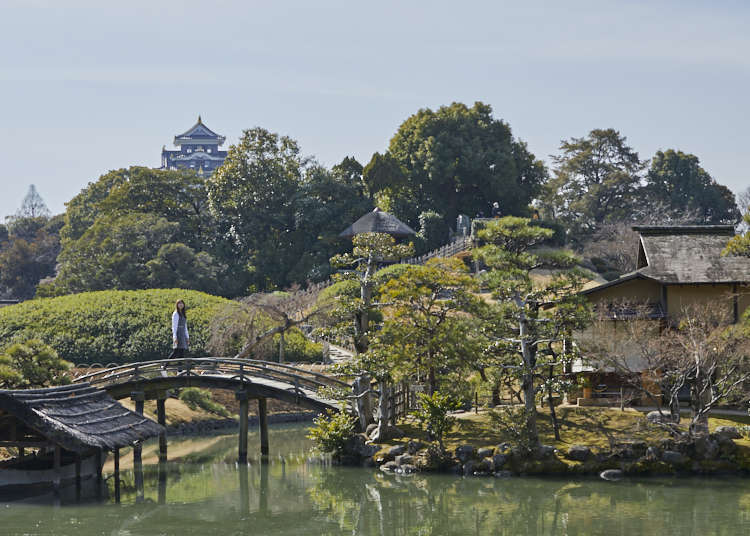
x=90 y=86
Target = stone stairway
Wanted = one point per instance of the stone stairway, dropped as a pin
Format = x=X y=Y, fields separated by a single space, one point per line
x=336 y=354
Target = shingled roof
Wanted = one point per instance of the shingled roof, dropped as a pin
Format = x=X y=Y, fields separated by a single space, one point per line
x=689 y=254
x=78 y=417
x=378 y=221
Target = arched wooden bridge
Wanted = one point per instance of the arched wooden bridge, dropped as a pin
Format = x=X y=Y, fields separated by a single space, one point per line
x=249 y=379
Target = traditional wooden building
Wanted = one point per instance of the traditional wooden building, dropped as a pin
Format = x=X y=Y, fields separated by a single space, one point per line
x=679 y=267
x=61 y=433
x=378 y=221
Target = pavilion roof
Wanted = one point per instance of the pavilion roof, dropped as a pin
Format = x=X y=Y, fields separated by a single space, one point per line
x=198 y=132
x=378 y=221
x=77 y=417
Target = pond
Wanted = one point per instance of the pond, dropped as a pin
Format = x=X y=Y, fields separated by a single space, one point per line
x=203 y=491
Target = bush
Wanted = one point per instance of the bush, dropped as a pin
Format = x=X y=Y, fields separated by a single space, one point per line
x=120 y=326
x=195 y=398
x=32 y=364
x=298 y=348
x=432 y=413
x=332 y=431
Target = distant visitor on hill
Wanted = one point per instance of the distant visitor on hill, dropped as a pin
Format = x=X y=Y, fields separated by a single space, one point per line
x=180 y=337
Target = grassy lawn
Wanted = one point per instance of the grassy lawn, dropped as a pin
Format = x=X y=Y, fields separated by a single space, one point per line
x=595 y=427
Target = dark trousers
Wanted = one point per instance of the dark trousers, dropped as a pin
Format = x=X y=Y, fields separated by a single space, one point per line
x=177 y=353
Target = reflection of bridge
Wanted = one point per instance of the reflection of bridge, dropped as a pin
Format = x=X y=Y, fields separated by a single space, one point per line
x=249 y=379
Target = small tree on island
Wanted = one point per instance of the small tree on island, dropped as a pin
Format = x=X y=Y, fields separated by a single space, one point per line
x=530 y=325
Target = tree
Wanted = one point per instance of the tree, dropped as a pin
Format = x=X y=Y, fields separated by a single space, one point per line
x=32 y=364
x=179 y=266
x=596 y=179
x=530 y=322
x=369 y=251
x=677 y=180
x=251 y=198
x=33 y=206
x=459 y=160
x=740 y=244
x=386 y=183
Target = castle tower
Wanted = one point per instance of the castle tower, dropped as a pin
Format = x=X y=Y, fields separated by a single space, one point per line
x=198 y=149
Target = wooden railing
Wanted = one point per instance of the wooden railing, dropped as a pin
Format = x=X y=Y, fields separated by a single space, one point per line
x=457 y=246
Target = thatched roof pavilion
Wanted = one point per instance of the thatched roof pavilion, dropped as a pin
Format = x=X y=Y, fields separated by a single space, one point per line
x=78 y=418
x=378 y=221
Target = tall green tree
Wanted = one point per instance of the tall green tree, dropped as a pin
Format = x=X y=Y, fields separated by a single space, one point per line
x=460 y=159
x=678 y=181
x=530 y=321
x=251 y=198
x=595 y=180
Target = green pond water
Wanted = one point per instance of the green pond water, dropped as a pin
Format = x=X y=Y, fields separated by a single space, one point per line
x=203 y=491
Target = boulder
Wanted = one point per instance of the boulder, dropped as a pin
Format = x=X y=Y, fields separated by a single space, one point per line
x=396 y=450
x=412 y=447
x=657 y=417
x=673 y=457
x=544 y=451
x=469 y=468
x=389 y=467
x=464 y=452
x=407 y=469
x=405 y=459
x=484 y=467
x=579 y=453
x=728 y=432
x=706 y=448
x=485 y=452
x=611 y=475
x=498 y=460
x=502 y=474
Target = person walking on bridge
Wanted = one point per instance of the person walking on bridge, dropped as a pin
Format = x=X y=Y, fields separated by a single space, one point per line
x=180 y=337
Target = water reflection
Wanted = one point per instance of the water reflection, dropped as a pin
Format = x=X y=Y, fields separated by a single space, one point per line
x=203 y=491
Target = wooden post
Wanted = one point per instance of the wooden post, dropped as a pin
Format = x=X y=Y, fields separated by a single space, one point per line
x=263 y=423
x=242 y=452
x=281 y=348
x=78 y=477
x=161 y=417
x=162 y=490
x=57 y=466
x=139 y=398
x=99 y=463
x=117 y=475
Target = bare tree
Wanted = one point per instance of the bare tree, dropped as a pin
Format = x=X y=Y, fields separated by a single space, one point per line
x=698 y=351
x=33 y=206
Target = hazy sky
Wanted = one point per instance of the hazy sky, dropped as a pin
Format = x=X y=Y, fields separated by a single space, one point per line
x=89 y=86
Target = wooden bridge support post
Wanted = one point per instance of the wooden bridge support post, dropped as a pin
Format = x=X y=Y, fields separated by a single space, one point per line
x=57 y=465
x=161 y=417
x=139 y=398
x=117 y=475
x=263 y=423
x=244 y=409
x=78 y=477
x=99 y=463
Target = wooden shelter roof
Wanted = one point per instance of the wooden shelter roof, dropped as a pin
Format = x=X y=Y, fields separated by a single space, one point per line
x=77 y=417
x=378 y=221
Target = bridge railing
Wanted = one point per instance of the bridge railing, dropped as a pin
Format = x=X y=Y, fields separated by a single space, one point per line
x=243 y=370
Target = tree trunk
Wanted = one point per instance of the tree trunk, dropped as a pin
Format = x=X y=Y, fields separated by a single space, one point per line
x=496 y=393
x=383 y=413
x=555 y=424
x=527 y=383
x=431 y=382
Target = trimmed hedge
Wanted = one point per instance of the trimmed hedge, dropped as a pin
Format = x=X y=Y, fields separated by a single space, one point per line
x=119 y=326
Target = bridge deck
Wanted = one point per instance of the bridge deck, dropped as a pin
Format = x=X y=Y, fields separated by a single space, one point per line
x=260 y=379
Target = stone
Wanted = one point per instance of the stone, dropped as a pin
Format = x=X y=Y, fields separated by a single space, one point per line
x=502 y=474
x=728 y=432
x=657 y=417
x=412 y=447
x=464 y=452
x=503 y=447
x=652 y=454
x=484 y=467
x=405 y=459
x=469 y=468
x=389 y=467
x=706 y=448
x=498 y=460
x=485 y=452
x=545 y=451
x=396 y=450
x=407 y=469
x=673 y=457
x=611 y=475
x=579 y=453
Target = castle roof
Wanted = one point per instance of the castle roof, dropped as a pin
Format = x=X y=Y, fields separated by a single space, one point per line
x=198 y=133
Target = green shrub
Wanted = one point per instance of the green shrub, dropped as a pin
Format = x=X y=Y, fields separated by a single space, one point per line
x=332 y=430
x=32 y=364
x=298 y=348
x=432 y=413
x=118 y=326
x=195 y=398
